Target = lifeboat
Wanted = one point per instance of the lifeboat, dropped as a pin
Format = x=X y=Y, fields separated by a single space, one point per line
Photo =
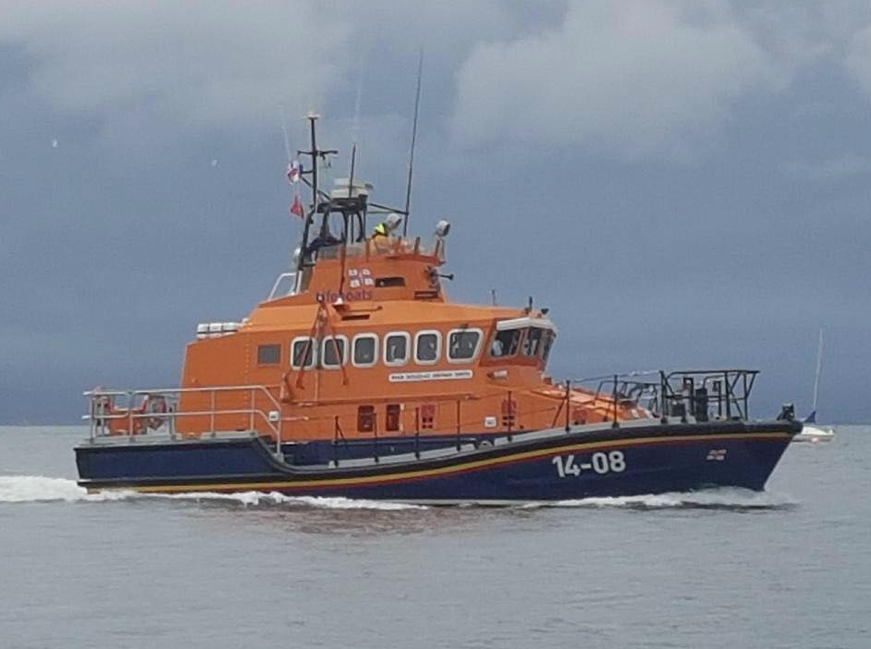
x=358 y=377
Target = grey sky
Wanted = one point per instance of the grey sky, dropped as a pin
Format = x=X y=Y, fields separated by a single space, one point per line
x=683 y=183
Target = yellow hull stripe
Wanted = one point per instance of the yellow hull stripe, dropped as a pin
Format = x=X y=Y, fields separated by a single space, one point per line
x=461 y=468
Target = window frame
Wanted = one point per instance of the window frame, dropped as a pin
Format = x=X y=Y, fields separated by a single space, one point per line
x=517 y=333
x=366 y=412
x=277 y=361
x=343 y=361
x=527 y=338
x=370 y=336
x=546 y=345
x=314 y=351
x=477 y=349
x=427 y=332
x=408 y=349
x=393 y=415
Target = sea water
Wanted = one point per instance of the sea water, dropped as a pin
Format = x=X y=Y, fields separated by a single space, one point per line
x=789 y=567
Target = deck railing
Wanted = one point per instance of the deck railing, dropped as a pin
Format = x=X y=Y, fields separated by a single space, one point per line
x=137 y=411
x=702 y=395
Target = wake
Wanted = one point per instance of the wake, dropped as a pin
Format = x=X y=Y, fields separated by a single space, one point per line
x=34 y=489
x=716 y=498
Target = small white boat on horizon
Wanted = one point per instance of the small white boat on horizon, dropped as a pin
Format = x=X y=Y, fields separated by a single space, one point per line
x=812 y=431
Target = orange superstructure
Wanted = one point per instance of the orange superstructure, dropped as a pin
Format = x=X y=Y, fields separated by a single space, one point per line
x=371 y=345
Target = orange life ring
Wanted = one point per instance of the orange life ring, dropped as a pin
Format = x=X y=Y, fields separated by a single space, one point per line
x=121 y=424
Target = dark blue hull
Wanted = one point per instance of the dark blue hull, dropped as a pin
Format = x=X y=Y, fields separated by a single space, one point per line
x=655 y=458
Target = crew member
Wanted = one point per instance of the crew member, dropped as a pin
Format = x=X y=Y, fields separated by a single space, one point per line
x=387 y=226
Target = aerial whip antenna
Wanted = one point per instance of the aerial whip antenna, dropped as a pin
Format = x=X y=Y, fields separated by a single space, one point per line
x=355 y=132
x=284 y=131
x=819 y=371
x=413 y=142
x=355 y=129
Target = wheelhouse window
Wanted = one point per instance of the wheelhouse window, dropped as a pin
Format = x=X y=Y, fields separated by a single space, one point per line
x=333 y=351
x=268 y=354
x=505 y=343
x=365 y=350
x=463 y=344
x=546 y=344
x=303 y=353
x=532 y=341
x=427 y=347
x=389 y=281
x=396 y=348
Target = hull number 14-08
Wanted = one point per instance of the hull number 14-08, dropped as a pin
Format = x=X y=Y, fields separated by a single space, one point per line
x=600 y=463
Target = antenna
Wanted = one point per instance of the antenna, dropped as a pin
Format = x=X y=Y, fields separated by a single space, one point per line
x=312 y=117
x=355 y=129
x=819 y=370
x=346 y=235
x=351 y=174
x=286 y=138
x=413 y=142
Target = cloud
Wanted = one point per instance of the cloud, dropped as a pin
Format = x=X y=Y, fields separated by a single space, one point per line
x=634 y=79
x=144 y=66
x=858 y=59
x=846 y=166
x=196 y=64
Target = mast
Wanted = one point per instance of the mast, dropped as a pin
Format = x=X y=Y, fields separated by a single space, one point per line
x=819 y=370
x=312 y=118
x=314 y=153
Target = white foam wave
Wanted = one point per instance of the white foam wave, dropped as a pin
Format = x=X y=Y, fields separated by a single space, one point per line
x=23 y=489
x=726 y=497
x=273 y=497
x=36 y=488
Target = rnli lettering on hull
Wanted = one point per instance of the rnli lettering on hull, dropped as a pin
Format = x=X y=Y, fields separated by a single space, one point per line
x=435 y=375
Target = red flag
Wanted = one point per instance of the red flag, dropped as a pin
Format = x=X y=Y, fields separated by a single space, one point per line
x=294 y=171
x=297 y=207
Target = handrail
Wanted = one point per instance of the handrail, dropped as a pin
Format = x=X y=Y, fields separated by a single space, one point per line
x=98 y=413
x=721 y=394
x=278 y=280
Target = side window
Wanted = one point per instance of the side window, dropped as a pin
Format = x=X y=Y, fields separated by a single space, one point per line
x=549 y=337
x=505 y=343
x=365 y=350
x=268 y=354
x=427 y=347
x=396 y=348
x=303 y=352
x=393 y=417
x=365 y=419
x=333 y=351
x=426 y=415
x=463 y=344
x=533 y=339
